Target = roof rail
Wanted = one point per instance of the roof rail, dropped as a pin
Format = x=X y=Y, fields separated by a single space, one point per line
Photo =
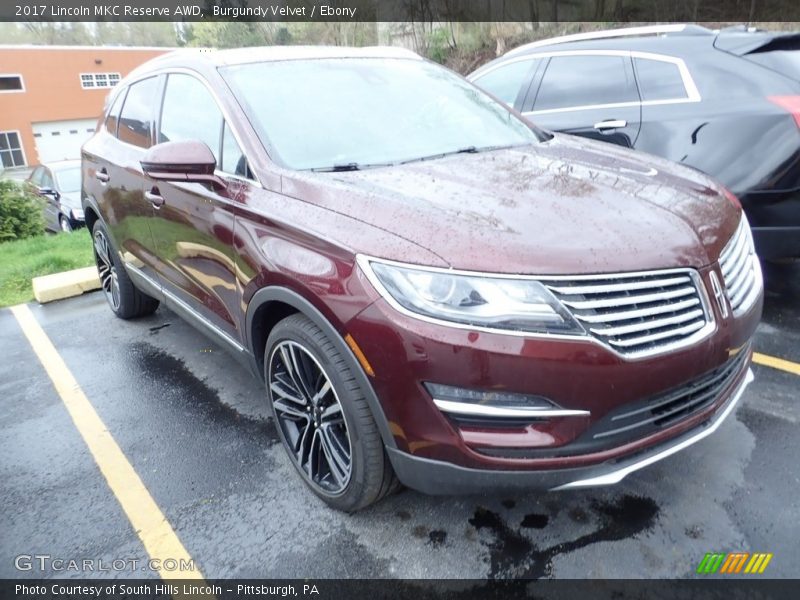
x=611 y=33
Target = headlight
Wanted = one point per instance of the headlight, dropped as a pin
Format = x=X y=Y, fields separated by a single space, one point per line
x=495 y=302
x=77 y=214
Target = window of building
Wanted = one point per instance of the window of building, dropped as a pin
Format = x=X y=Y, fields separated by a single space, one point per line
x=91 y=81
x=11 y=83
x=136 y=119
x=11 y=150
x=576 y=81
x=659 y=80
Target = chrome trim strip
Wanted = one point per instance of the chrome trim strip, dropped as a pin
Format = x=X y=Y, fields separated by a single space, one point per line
x=464 y=408
x=193 y=313
x=646 y=325
x=629 y=300
x=598 y=35
x=605 y=288
x=618 y=475
x=642 y=312
x=363 y=261
x=661 y=335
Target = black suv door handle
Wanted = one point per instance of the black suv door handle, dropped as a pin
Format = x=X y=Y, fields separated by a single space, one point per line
x=102 y=175
x=154 y=197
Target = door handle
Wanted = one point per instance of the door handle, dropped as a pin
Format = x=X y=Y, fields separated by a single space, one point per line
x=155 y=198
x=610 y=124
x=102 y=176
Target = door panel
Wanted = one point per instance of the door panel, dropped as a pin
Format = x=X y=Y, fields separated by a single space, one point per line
x=193 y=226
x=120 y=180
x=592 y=95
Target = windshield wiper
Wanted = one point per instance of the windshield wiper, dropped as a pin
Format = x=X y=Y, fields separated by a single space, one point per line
x=338 y=168
x=351 y=166
x=465 y=150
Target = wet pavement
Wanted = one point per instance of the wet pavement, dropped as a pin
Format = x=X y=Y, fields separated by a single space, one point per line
x=194 y=425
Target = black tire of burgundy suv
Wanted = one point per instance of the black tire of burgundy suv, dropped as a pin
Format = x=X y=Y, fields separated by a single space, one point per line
x=726 y=103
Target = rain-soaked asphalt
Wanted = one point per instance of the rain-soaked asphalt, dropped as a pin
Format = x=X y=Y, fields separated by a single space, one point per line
x=193 y=424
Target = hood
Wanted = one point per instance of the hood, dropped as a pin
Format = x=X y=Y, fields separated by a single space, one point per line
x=565 y=206
x=70 y=200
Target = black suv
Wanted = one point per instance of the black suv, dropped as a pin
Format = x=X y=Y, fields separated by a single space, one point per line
x=725 y=102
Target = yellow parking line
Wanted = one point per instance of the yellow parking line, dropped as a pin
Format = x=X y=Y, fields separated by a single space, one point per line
x=776 y=363
x=150 y=524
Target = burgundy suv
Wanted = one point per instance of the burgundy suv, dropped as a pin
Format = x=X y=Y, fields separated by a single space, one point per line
x=433 y=290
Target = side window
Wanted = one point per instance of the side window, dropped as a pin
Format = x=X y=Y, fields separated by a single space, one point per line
x=659 y=80
x=113 y=115
x=505 y=81
x=574 y=81
x=233 y=159
x=190 y=112
x=47 y=180
x=36 y=176
x=136 y=119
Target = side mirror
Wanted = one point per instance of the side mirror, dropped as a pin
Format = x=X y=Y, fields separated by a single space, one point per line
x=50 y=192
x=188 y=161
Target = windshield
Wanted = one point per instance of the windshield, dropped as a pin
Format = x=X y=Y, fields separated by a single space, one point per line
x=329 y=113
x=69 y=180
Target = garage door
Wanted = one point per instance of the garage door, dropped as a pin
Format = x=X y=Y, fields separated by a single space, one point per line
x=57 y=140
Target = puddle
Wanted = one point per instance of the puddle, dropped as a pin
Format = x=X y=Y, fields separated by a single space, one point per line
x=514 y=555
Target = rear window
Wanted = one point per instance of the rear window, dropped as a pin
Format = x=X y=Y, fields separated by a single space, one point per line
x=659 y=80
x=786 y=62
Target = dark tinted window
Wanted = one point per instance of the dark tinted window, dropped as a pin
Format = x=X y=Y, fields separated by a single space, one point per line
x=189 y=112
x=10 y=83
x=506 y=81
x=233 y=160
x=659 y=80
x=586 y=80
x=113 y=114
x=137 y=113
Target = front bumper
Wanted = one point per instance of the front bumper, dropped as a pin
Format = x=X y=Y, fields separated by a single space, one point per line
x=438 y=477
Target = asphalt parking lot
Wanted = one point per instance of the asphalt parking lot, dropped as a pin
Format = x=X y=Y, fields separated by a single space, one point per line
x=194 y=426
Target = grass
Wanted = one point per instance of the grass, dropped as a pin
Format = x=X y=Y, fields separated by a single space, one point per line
x=22 y=260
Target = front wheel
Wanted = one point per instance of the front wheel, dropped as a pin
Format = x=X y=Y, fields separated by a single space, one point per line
x=323 y=417
x=125 y=300
x=64 y=224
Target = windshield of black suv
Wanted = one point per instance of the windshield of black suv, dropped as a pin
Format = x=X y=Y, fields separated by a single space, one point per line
x=340 y=114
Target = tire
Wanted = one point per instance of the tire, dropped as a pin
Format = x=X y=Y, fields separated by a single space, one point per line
x=314 y=433
x=125 y=300
x=64 y=224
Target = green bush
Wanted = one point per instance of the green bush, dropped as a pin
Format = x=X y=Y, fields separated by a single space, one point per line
x=20 y=213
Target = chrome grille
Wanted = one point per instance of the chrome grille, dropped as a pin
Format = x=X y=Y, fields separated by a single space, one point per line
x=741 y=270
x=638 y=314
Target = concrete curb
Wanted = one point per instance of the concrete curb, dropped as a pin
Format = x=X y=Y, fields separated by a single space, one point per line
x=58 y=286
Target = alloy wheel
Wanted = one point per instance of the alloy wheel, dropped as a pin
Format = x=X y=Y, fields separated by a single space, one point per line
x=106 y=269
x=310 y=417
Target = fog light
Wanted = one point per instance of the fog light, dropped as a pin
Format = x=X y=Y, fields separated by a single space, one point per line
x=462 y=401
